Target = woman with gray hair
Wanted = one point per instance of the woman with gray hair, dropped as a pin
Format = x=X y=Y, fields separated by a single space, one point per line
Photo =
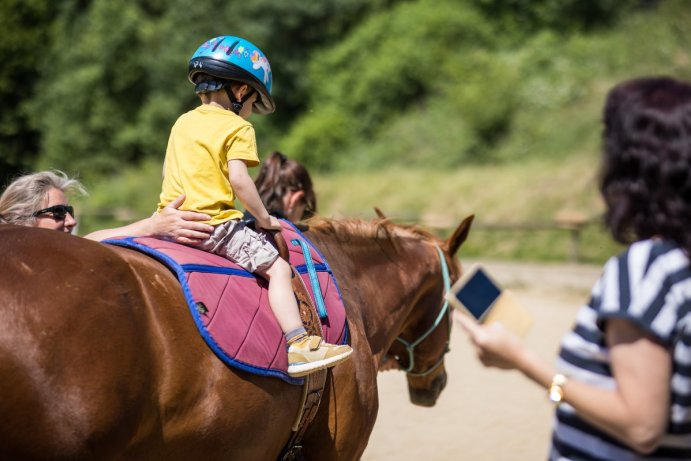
x=40 y=200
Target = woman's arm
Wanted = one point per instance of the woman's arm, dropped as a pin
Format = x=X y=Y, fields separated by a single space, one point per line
x=170 y=224
x=636 y=412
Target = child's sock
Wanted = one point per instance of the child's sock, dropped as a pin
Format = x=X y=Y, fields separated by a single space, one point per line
x=296 y=335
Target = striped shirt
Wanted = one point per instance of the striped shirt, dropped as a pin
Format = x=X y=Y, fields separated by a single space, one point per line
x=650 y=285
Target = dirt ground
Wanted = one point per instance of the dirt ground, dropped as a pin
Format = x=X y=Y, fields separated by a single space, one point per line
x=486 y=414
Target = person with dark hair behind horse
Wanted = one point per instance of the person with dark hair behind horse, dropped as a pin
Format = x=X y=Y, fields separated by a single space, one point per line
x=622 y=383
x=285 y=187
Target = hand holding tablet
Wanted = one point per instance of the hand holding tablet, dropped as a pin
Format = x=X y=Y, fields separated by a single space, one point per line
x=478 y=295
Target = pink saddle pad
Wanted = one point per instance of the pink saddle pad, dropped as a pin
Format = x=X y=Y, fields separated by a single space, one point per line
x=230 y=305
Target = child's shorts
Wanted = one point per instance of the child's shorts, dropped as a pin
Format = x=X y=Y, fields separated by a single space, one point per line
x=244 y=246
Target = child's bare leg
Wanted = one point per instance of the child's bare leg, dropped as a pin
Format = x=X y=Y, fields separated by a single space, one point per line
x=281 y=297
x=306 y=354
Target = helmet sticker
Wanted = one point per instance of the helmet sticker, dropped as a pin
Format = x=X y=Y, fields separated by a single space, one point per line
x=260 y=62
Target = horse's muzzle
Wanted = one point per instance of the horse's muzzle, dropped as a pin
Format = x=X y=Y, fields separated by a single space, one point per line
x=427 y=396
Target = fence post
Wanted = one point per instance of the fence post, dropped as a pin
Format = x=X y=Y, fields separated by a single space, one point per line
x=574 y=222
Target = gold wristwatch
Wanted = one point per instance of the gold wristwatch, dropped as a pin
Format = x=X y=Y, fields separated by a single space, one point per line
x=556 y=391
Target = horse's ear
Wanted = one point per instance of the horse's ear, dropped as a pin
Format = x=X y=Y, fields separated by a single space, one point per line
x=459 y=235
x=379 y=213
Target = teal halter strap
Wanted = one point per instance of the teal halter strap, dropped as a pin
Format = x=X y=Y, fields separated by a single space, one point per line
x=410 y=347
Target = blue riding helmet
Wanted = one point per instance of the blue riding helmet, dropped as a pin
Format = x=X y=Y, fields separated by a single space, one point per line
x=234 y=58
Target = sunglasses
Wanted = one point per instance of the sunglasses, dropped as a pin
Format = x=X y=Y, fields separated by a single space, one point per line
x=57 y=212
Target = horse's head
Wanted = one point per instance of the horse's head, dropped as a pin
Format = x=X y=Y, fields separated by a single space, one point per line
x=424 y=339
x=393 y=280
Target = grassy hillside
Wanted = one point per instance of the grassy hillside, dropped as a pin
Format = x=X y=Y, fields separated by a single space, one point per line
x=518 y=208
x=515 y=204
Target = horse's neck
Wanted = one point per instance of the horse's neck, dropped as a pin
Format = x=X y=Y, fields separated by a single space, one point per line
x=379 y=280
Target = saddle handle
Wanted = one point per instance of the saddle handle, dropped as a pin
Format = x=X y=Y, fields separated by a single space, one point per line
x=277 y=237
x=281 y=244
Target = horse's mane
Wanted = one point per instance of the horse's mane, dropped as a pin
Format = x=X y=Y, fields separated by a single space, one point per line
x=377 y=229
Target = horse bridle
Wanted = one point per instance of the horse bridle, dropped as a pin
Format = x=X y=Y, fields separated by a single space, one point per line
x=410 y=346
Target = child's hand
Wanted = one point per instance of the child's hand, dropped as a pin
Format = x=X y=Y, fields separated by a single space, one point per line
x=271 y=224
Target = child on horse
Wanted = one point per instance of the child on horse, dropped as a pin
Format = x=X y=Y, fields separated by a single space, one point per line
x=209 y=151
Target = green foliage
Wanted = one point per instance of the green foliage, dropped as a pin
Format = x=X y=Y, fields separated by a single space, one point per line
x=480 y=93
x=319 y=139
x=120 y=199
x=291 y=32
x=489 y=102
x=431 y=70
x=118 y=70
x=524 y=17
x=25 y=26
x=391 y=62
x=118 y=81
x=355 y=77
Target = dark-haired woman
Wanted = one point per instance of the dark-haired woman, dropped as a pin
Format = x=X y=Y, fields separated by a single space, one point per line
x=622 y=381
x=286 y=189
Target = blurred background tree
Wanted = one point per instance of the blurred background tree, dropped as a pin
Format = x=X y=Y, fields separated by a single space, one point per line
x=114 y=74
x=92 y=86
x=525 y=17
x=26 y=26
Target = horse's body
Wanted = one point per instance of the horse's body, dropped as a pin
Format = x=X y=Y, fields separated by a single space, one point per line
x=100 y=358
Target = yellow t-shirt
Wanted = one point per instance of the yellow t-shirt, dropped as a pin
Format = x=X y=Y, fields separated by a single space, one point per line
x=201 y=143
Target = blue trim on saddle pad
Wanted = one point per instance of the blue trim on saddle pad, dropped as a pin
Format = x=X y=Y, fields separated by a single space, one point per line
x=206 y=269
x=180 y=271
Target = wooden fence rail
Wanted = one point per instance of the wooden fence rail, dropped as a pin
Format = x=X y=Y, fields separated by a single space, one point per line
x=572 y=222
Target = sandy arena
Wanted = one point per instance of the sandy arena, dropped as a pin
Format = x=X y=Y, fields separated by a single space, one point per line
x=483 y=414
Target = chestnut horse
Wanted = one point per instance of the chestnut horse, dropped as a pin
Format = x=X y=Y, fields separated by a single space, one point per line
x=100 y=358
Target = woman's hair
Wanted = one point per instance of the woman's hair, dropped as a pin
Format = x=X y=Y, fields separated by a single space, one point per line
x=646 y=169
x=279 y=175
x=26 y=194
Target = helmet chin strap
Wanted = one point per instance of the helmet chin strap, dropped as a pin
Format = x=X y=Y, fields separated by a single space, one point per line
x=236 y=106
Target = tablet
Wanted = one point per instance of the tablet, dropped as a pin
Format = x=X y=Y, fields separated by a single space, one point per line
x=481 y=297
